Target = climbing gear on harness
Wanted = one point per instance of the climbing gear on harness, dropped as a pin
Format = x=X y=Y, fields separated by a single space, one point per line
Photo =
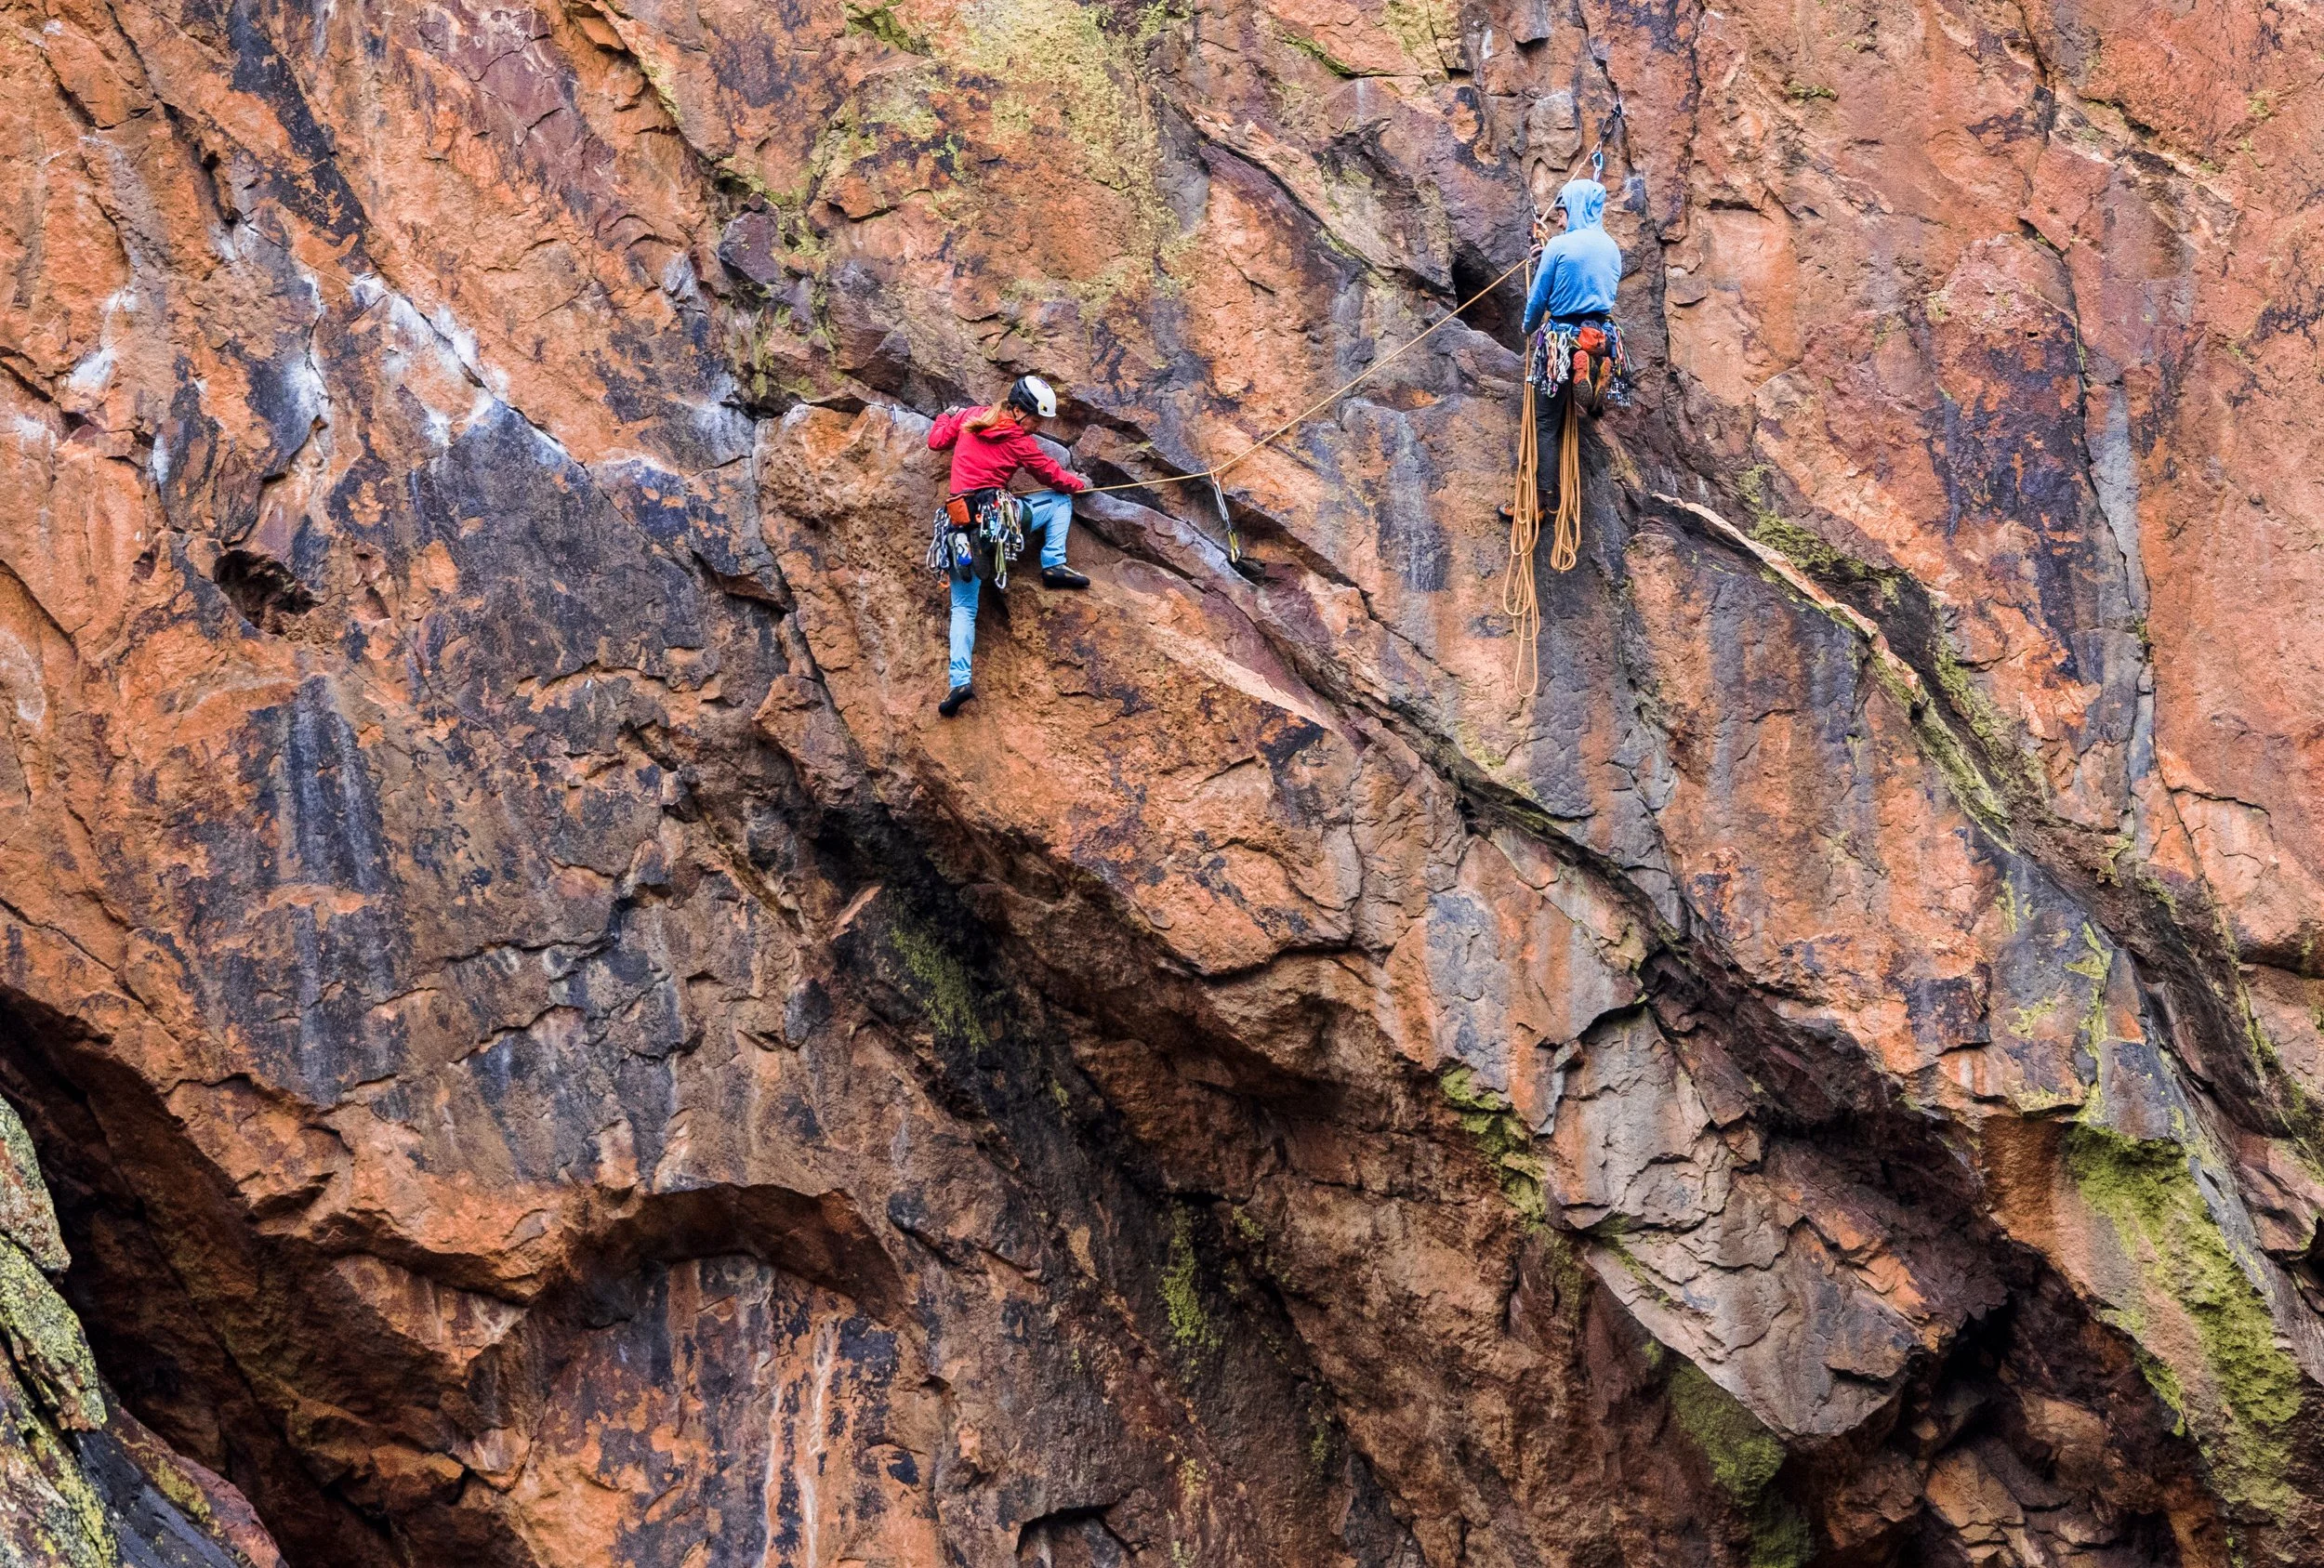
x=979 y=534
x=1590 y=355
x=949 y=553
x=954 y=698
x=1597 y=366
x=1001 y=537
x=1063 y=577
x=1034 y=396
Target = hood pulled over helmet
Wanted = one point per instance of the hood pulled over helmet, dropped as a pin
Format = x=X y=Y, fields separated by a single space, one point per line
x=1584 y=200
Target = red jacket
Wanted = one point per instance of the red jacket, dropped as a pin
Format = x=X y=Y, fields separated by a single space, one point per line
x=988 y=459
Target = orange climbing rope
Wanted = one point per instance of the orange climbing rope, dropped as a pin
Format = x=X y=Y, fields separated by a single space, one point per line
x=1520 y=600
x=1565 y=541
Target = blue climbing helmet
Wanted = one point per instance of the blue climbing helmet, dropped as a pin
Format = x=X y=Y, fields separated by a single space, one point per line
x=1584 y=200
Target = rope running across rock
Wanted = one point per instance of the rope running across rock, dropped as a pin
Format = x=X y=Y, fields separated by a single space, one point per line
x=1320 y=403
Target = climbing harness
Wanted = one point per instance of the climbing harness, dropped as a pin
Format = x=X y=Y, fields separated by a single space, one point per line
x=979 y=534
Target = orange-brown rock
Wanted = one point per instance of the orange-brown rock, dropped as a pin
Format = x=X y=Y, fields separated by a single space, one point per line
x=548 y=1051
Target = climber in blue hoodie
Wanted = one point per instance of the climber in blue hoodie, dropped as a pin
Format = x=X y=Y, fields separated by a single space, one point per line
x=1573 y=297
x=1580 y=268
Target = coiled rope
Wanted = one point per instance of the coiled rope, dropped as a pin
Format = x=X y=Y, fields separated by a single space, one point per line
x=1565 y=542
x=1521 y=597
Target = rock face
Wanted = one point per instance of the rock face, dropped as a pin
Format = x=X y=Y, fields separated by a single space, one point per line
x=83 y=1484
x=549 y=1053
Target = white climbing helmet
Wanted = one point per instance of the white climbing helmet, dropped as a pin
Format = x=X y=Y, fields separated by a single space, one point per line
x=1034 y=396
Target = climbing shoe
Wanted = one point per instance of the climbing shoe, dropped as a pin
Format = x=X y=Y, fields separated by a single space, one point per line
x=1063 y=577
x=953 y=698
x=1586 y=385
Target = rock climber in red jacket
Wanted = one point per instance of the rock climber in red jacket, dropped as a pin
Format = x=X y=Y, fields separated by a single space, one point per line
x=988 y=446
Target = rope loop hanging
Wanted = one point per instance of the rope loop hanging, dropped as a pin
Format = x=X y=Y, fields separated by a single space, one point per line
x=1521 y=598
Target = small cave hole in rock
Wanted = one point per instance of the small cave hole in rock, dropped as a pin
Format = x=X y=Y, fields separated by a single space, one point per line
x=261 y=587
x=1500 y=313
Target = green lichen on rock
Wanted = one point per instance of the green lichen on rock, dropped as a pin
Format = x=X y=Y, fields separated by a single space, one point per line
x=881 y=23
x=1780 y=1536
x=174 y=1484
x=1317 y=52
x=1427 y=31
x=938 y=982
x=44 y=1339
x=1805 y=549
x=27 y=1216
x=1190 y=1328
x=1487 y=1116
x=2095 y=963
x=1970 y=789
x=1994 y=733
x=2240 y=1402
x=1057 y=57
x=1321 y=1442
x=1744 y=1455
x=657 y=78
x=54 y=1517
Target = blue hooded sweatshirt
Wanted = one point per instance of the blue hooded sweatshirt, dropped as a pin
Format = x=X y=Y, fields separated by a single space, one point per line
x=1581 y=266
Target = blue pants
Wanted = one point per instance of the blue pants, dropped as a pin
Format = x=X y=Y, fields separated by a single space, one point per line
x=1054 y=515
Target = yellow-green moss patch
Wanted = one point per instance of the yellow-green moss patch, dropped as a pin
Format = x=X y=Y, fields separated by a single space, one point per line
x=2240 y=1403
x=941 y=982
x=46 y=1340
x=1744 y=1455
x=1190 y=1328
x=881 y=23
x=1487 y=1116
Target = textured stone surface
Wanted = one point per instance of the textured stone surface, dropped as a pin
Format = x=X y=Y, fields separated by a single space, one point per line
x=82 y=1481
x=548 y=1050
